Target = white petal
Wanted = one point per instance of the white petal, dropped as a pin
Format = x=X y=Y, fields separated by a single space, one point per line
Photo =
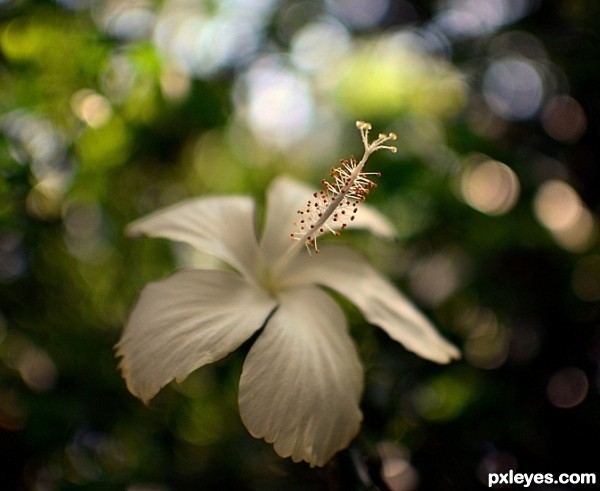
x=343 y=270
x=302 y=380
x=222 y=226
x=190 y=319
x=371 y=219
x=286 y=196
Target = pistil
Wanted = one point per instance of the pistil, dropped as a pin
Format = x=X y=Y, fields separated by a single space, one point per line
x=336 y=205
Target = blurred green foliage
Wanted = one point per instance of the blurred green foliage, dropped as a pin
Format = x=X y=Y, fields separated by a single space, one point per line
x=109 y=110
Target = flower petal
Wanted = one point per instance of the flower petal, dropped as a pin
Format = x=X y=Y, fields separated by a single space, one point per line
x=371 y=219
x=343 y=270
x=192 y=318
x=286 y=196
x=220 y=225
x=302 y=380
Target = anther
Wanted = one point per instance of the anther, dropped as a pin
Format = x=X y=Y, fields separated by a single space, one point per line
x=336 y=204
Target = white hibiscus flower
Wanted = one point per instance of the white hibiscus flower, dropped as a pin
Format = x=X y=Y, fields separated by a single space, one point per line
x=302 y=380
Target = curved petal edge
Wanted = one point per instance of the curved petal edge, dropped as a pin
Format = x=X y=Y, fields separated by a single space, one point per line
x=382 y=304
x=219 y=225
x=302 y=380
x=187 y=320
